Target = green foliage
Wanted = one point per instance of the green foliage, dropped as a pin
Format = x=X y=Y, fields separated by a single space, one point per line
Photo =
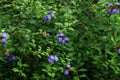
x=91 y=50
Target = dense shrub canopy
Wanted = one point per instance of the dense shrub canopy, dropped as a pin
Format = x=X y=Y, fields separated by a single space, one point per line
x=59 y=39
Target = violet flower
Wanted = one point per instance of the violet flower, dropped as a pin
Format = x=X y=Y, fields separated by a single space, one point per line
x=68 y=65
x=118 y=3
x=115 y=11
x=66 y=72
x=49 y=16
x=10 y=57
x=119 y=51
x=61 y=38
x=4 y=37
x=110 y=4
x=53 y=58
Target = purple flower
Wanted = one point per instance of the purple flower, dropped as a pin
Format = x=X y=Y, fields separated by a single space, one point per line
x=11 y=58
x=68 y=65
x=119 y=51
x=60 y=35
x=118 y=3
x=66 y=39
x=115 y=11
x=4 y=37
x=50 y=61
x=63 y=41
x=109 y=11
x=3 y=40
x=61 y=38
x=110 y=4
x=52 y=14
x=53 y=58
x=47 y=17
x=56 y=58
x=66 y=72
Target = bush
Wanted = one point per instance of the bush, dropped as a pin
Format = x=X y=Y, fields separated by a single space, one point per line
x=55 y=40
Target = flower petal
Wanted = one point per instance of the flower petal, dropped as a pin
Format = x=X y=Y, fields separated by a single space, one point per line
x=4 y=35
x=68 y=65
x=66 y=39
x=66 y=72
x=56 y=58
x=60 y=39
x=63 y=41
x=3 y=40
x=50 y=61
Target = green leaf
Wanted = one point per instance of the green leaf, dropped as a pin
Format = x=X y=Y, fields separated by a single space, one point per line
x=51 y=74
x=36 y=76
x=15 y=69
x=23 y=74
x=25 y=65
x=83 y=69
x=83 y=76
x=76 y=78
x=19 y=64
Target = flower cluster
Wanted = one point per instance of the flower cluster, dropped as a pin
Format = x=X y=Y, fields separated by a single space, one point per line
x=53 y=58
x=113 y=8
x=67 y=69
x=4 y=37
x=49 y=16
x=61 y=38
x=10 y=57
